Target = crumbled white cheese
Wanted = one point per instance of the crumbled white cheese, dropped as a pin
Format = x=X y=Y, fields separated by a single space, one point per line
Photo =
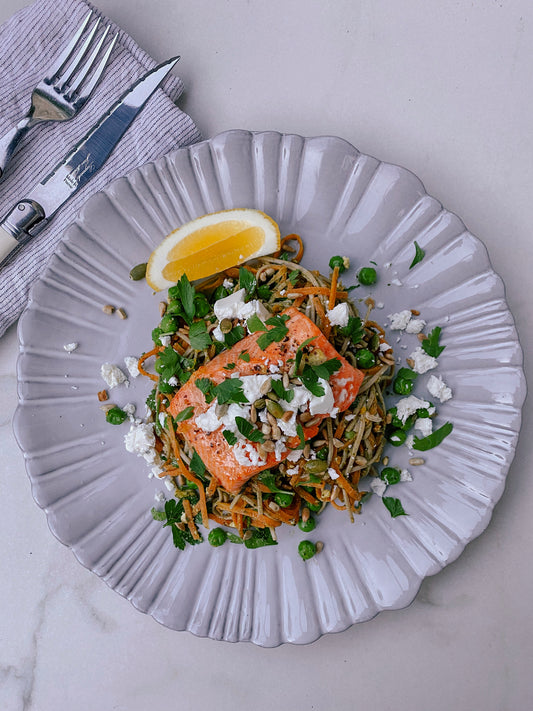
x=424 y=425
x=234 y=306
x=169 y=483
x=339 y=315
x=332 y=473
x=162 y=419
x=288 y=427
x=422 y=361
x=132 y=364
x=159 y=497
x=246 y=454
x=228 y=284
x=396 y=282
x=438 y=388
x=156 y=471
x=407 y=406
x=378 y=486
x=399 y=320
x=70 y=347
x=165 y=340
x=294 y=455
x=129 y=408
x=384 y=347
x=172 y=381
x=409 y=442
x=415 y=325
x=112 y=375
x=140 y=440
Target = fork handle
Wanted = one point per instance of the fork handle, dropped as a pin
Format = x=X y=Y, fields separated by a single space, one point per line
x=10 y=141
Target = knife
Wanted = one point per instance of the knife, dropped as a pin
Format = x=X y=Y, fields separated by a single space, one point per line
x=25 y=219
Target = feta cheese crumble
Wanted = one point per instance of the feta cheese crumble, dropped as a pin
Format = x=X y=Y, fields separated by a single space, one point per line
x=407 y=406
x=234 y=306
x=140 y=440
x=422 y=362
x=415 y=325
x=378 y=486
x=339 y=315
x=132 y=364
x=438 y=388
x=70 y=347
x=112 y=375
x=399 y=320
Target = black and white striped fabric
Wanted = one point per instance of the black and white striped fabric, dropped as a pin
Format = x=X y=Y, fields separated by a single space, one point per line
x=29 y=42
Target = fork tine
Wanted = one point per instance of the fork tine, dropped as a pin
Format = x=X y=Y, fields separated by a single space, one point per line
x=85 y=70
x=65 y=54
x=82 y=98
x=63 y=78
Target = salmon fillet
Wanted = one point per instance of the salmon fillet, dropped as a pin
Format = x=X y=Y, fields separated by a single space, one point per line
x=214 y=450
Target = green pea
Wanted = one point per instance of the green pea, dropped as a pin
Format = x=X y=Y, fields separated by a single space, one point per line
x=306 y=549
x=156 y=332
x=322 y=453
x=282 y=499
x=217 y=537
x=365 y=358
x=391 y=475
x=307 y=526
x=338 y=261
x=175 y=308
x=116 y=416
x=397 y=438
x=395 y=421
x=201 y=305
x=403 y=386
x=168 y=324
x=349 y=435
x=367 y=276
x=423 y=413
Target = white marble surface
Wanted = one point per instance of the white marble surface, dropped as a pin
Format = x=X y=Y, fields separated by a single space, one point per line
x=445 y=89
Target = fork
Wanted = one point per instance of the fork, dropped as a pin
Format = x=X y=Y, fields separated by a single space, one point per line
x=65 y=88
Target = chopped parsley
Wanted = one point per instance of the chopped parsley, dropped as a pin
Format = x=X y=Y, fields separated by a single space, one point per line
x=431 y=344
x=229 y=390
x=247 y=281
x=199 y=337
x=196 y=465
x=244 y=356
x=394 y=506
x=419 y=255
x=354 y=330
x=248 y=430
x=229 y=366
x=185 y=414
x=230 y=438
x=275 y=334
x=236 y=334
x=277 y=387
x=311 y=374
x=186 y=293
x=206 y=387
x=172 y=516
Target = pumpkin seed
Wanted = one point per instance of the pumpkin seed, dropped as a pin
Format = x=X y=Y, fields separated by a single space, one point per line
x=226 y=325
x=274 y=408
x=138 y=272
x=315 y=466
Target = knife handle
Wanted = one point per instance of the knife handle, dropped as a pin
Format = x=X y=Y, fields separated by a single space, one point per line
x=16 y=225
x=7 y=245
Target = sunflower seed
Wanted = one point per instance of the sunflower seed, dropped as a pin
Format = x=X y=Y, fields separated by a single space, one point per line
x=265 y=387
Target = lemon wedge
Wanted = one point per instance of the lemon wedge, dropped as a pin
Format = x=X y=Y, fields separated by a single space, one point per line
x=210 y=244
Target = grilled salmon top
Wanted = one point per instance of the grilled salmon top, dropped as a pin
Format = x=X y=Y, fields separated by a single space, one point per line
x=234 y=463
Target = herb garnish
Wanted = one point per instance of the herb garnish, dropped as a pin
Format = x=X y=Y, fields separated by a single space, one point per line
x=354 y=329
x=275 y=334
x=185 y=414
x=199 y=337
x=419 y=255
x=431 y=344
x=170 y=363
x=206 y=386
x=172 y=514
x=244 y=356
x=229 y=366
x=254 y=324
x=434 y=439
x=394 y=506
x=248 y=430
x=277 y=387
x=312 y=373
x=196 y=465
x=229 y=390
x=269 y=480
x=247 y=281
x=236 y=334
x=186 y=293
x=300 y=352
x=230 y=438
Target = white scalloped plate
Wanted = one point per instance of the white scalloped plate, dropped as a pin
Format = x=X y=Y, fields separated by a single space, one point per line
x=97 y=497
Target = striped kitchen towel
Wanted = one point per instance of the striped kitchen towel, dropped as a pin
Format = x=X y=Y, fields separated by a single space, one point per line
x=29 y=42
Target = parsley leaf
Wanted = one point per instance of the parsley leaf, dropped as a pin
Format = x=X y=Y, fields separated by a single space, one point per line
x=229 y=437
x=300 y=432
x=254 y=324
x=247 y=281
x=394 y=506
x=244 y=356
x=229 y=366
x=248 y=430
x=325 y=370
x=173 y=513
x=229 y=390
x=269 y=480
x=431 y=344
x=185 y=414
x=419 y=255
x=353 y=330
x=172 y=363
x=293 y=276
x=263 y=292
x=300 y=352
x=311 y=374
x=196 y=465
x=158 y=515
x=434 y=439
x=199 y=337
x=206 y=386
x=275 y=334
x=277 y=387
x=236 y=334
x=186 y=293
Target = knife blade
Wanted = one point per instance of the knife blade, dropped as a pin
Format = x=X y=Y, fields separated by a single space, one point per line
x=30 y=214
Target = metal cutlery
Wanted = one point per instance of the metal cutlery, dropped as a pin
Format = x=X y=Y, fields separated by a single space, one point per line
x=31 y=213
x=68 y=84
